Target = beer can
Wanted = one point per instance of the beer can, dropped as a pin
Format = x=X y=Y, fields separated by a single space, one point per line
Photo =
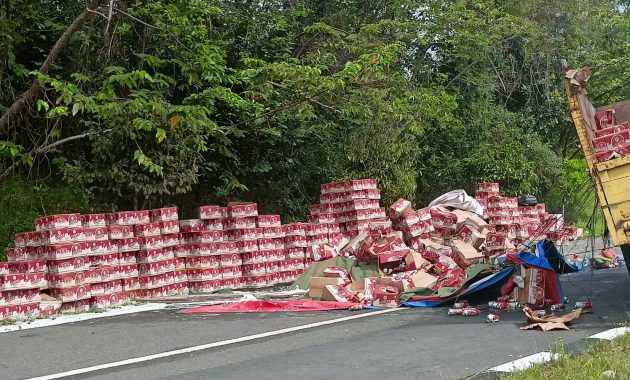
x=471 y=311
x=492 y=318
x=455 y=311
x=584 y=305
x=539 y=313
x=557 y=307
x=461 y=304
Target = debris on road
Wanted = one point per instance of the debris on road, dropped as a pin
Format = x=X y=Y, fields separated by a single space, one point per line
x=549 y=322
x=349 y=251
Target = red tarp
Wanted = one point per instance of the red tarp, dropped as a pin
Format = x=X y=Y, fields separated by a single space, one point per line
x=270 y=306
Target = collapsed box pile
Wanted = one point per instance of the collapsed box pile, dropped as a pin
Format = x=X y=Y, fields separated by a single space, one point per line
x=431 y=247
x=611 y=140
x=74 y=262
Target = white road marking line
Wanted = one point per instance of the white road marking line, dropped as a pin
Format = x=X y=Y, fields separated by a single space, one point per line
x=208 y=346
x=524 y=363
x=611 y=334
x=63 y=319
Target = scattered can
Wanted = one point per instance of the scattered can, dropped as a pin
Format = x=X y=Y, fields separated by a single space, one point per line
x=455 y=311
x=539 y=313
x=503 y=305
x=584 y=305
x=471 y=311
x=492 y=318
x=461 y=304
x=557 y=307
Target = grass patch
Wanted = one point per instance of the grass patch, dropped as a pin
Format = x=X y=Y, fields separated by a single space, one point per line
x=591 y=364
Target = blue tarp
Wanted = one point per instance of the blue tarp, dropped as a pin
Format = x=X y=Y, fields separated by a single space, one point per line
x=495 y=279
x=546 y=248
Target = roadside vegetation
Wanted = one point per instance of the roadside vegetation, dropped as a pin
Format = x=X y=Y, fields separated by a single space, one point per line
x=139 y=104
x=603 y=360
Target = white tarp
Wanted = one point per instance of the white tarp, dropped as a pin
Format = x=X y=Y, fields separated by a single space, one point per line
x=460 y=200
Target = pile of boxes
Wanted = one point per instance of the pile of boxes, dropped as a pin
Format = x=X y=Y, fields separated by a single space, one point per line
x=432 y=247
x=611 y=140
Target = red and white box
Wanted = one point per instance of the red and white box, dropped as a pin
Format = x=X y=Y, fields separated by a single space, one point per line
x=295 y=241
x=19 y=297
x=211 y=237
x=485 y=195
x=120 y=232
x=241 y=210
x=203 y=262
x=611 y=141
x=61 y=236
x=443 y=218
x=95 y=234
x=385 y=296
x=210 y=212
x=153 y=255
x=191 y=225
x=313 y=229
x=30 y=266
x=498 y=202
x=605 y=118
x=108 y=287
x=65 y=280
x=268 y=221
x=169 y=227
x=254 y=269
x=180 y=276
x=294 y=253
x=272 y=267
x=317 y=239
x=131 y=284
x=613 y=129
x=239 y=223
x=489 y=186
x=16 y=254
x=152 y=282
x=128 y=271
x=64 y=251
x=274 y=232
x=322 y=252
x=500 y=220
x=4 y=268
x=128 y=245
x=72 y=293
x=151 y=242
x=129 y=218
x=204 y=286
x=204 y=274
x=496 y=240
x=94 y=220
x=295 y=229
x=104 y=273
x=75 y=264
x=209 y=249
x=213 y=225
x=60 y=221
x=155 y=268
x=147 y=230
x=232 y=272
x=170 y=241
x=164 y=214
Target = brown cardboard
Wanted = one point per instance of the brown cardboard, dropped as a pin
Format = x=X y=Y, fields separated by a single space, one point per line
x=465 y=254
x=316 y=285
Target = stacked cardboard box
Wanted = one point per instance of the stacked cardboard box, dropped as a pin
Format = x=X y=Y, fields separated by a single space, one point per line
x=345 y=211
x=20 y=284
x=611 y=140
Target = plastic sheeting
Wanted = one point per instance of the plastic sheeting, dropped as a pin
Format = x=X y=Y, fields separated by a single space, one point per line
x=460 y=200
x=270 y=306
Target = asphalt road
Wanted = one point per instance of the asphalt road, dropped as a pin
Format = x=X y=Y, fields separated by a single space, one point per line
x=409 y=343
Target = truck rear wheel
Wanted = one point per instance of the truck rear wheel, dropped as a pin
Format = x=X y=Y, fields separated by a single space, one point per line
x=625 y=250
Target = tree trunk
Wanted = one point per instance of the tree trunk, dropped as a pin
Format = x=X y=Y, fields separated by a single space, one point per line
x=31 y=94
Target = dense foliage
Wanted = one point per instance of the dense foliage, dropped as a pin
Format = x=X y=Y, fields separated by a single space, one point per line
x=152 y=102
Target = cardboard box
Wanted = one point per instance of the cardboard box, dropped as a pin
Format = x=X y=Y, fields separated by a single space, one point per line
x=191 y=225
x=242 y=209
x=489 y=186
x=94 y=220
x=60 y=221
x=263 y=221
x=605 y=118
x=316 y=285
x=465 y=254
x=408 y=280
x=72 y=293
x=164 y=214
x=533 y=292
x=339 y=293
x=210 y=212
x=385 y=296
x=213 y=225
x=399 y=208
